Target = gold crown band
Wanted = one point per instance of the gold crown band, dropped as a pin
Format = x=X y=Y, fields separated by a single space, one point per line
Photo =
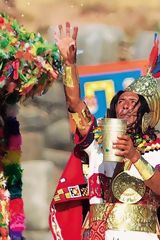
x=144 y=168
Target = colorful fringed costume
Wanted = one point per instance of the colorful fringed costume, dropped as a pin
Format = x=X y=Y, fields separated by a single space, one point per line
x=10 y=160
x=28 y=67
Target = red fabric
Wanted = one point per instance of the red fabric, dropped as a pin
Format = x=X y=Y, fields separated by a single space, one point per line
x=70 y=220
x=72 y=173
x=97 y=231
x=67 y=216
x=98 y=186
x=154 y=53
x=16 y=206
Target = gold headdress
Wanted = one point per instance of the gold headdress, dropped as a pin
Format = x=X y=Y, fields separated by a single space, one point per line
x=147 y=87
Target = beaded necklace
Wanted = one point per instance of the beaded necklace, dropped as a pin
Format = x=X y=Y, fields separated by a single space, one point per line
x=143 y=143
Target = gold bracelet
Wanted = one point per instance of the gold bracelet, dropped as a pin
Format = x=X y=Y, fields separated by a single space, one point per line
x=77 y=119
x=87 y=115
x=144 y=168
x=82 y=118
x=67 y=77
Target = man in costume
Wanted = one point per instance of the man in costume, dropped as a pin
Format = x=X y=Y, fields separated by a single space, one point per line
x=123 y=197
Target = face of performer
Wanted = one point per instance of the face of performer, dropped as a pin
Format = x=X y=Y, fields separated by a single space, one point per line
x=127 y=107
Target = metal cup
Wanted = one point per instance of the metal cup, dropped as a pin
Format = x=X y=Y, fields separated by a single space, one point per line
x=112 y=128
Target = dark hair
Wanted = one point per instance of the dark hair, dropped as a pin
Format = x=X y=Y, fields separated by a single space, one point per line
x=144 y=108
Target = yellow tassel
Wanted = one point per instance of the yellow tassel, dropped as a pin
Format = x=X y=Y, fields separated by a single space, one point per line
x=11 y=157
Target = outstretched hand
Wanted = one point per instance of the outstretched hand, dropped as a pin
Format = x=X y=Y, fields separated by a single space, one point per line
x=66 y=42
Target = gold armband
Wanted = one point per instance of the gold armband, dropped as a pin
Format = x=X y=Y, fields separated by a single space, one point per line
x=77 y=119
x=144 y=168
x=83 y=118
x=67 y=77
x=87 y=115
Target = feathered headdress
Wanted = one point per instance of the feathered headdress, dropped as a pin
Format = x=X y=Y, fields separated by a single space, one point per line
x=28 y=63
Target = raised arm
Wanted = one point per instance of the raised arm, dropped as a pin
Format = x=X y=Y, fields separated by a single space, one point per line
x=79 y=112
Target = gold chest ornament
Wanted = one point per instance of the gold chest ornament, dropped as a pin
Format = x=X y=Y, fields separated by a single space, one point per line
x=128 y=189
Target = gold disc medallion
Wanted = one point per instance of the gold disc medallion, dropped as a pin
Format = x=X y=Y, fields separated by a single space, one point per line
x=127 y=188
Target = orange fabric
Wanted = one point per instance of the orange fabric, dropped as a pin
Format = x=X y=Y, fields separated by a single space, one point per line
x=112 y=67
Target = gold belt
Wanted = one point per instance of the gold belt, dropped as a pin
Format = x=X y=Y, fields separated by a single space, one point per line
x=127 y=217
